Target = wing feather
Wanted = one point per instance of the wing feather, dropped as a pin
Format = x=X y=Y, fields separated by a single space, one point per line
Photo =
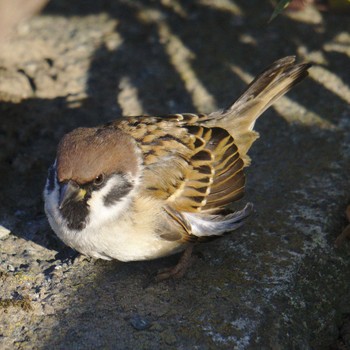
x=192 y=167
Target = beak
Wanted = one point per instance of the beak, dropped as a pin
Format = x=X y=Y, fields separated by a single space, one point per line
x=70 y=191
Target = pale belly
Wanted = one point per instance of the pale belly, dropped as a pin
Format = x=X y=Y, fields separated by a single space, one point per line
x=120 y=242
x=126 y=238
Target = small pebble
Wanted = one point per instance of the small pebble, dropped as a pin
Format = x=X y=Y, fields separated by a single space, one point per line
x=139 y=323
x=10 y=268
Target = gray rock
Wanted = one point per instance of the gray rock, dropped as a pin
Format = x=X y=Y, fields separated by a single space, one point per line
x=276 y=283
x=4 y=232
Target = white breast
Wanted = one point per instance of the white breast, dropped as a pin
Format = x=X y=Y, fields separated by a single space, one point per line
x=127 y=236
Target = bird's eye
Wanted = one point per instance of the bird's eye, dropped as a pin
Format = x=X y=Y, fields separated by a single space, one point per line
x=99 y=180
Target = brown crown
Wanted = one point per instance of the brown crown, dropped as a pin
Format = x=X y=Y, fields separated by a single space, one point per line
x=85 y=153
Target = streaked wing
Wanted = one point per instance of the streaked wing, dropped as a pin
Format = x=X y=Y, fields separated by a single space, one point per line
x=191 y=167
x=218 y=152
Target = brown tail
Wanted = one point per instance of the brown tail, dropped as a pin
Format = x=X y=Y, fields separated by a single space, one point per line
x=262 y=92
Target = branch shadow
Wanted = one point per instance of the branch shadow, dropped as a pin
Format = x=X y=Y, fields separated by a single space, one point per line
x=103 y=299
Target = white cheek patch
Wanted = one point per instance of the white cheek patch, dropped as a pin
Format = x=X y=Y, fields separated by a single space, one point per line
x=102 y=210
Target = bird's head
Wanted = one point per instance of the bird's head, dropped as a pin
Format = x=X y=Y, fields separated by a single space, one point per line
x=94 y=175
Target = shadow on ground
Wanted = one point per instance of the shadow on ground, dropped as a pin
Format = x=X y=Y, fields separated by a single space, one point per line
x=278 y=282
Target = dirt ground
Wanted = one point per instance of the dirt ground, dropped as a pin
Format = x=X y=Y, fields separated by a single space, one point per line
x=277 y=283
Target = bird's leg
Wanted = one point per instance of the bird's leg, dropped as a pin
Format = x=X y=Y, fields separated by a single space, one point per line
x=179 y=269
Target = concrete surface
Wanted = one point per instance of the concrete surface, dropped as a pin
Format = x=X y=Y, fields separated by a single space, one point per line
x=278 y=283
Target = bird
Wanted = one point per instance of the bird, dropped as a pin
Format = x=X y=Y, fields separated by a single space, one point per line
x=145 y=187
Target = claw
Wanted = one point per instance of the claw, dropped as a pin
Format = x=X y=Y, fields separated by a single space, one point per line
x=179 y=269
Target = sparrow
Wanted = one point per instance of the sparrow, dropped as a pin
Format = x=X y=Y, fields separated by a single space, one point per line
x=145 y=187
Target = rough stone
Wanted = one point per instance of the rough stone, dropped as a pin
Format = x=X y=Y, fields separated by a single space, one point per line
x=4 y=232
x=278 y=282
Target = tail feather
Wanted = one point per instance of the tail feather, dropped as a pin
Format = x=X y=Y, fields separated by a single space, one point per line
x=262 y=92
x=206 y=226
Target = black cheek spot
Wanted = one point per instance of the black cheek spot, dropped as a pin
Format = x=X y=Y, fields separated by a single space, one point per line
x=117 y=193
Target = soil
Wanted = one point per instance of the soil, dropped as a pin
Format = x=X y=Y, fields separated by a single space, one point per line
x=277 y=283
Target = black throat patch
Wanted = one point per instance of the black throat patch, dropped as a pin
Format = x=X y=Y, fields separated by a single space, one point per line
x=76 y=214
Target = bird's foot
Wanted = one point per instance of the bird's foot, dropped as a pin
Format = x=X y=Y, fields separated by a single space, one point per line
x=179 y=269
